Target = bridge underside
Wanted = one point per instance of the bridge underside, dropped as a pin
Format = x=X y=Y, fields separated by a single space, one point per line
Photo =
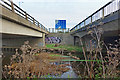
x=108 y=37
x=11 y=40
x=15 y=34
x=15 y=29
x=111 y=33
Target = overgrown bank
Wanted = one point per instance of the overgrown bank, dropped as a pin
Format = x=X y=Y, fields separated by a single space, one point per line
x=32 y=63
x=64 y=47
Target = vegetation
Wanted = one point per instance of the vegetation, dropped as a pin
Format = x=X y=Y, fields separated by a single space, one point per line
x=106 y=66
x=32 y=63
x=94 y=64
x=66 y=47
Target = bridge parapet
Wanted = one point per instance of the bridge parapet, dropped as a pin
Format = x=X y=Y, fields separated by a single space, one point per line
x=12 y=12
x=53 y=30
x=108 y=9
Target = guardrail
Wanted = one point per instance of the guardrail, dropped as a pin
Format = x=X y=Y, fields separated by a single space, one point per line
x=53 y=30
x=8 y=4
x=106 y=10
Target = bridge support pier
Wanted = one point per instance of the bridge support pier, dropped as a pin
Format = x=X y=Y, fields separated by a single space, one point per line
x=42 y=40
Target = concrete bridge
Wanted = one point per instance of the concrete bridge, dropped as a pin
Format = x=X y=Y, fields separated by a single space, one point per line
x=18 y=26
x=107 y=18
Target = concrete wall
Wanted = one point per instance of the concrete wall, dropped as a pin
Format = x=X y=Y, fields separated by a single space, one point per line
x=17 y=41
x=66 y=38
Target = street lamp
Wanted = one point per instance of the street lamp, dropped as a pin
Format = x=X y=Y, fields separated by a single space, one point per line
x=20 y=3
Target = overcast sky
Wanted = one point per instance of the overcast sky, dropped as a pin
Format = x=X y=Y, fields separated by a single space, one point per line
x=73 y=11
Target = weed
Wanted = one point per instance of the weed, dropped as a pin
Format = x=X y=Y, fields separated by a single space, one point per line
x=103 y=66
x=32 y=64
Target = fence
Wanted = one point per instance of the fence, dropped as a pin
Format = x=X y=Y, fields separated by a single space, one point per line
x=8 y=4
x=106 y=10
x=53 y=30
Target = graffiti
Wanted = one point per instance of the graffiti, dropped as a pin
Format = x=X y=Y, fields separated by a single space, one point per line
x=53 y=40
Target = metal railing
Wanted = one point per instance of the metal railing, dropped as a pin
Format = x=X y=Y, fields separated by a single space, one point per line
x=8 y=4
x=53 y=30
x=106 y=10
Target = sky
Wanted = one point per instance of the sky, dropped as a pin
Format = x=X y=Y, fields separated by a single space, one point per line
x=73 y=11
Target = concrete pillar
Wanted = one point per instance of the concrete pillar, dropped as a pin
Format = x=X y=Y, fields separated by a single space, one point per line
x=84 y=23
x=49 y=29
x=91 y=19
x=0 y=56
x=0 y=65
x=103 y=13
x=52 y=30
x=42 y=41
x=0 y=46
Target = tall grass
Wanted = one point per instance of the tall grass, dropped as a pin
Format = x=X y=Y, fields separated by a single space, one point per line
x=107 y=67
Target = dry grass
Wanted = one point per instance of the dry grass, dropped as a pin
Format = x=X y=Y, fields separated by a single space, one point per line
x=33 y=64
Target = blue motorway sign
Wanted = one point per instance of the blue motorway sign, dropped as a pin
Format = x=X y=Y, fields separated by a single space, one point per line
x=60 y=24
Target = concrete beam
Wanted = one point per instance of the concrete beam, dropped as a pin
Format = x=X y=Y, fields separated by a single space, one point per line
x=112 y=26
x=13 y=28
